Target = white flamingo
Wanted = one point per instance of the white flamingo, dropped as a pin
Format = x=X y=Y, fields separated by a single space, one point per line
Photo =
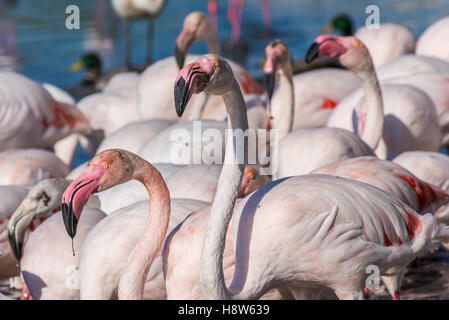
x=392 y=118
x=290 y=220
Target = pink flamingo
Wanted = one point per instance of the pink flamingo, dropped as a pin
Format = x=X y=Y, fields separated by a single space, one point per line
x=432 y=167
x=423 y=197
x=411 y=64
x=31 y=117
x=300 y=236
x=103 y=284
x=155 y=82
x=10 y=198
x=388 y=42
x=105 y=170
x=29 y=166
x=33 y=237
x=316 y=93
x=430 y=44
x=308 y=146
x=138 y=9
x=392 y=118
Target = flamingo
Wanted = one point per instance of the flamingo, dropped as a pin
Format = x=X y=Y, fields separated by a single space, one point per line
x=156 y=80
x=436 y=86
x=65 y=148
x=36 y=234
x=300 y=232
x=377 y=40
x=429 y=43
x=202 y=184
x=10 y=198
x=432 y=167
x=411 y=64
x=45 y=197
x=392 y=118
x=109 y=168
x=316 y=92
x=29 y=166
x=138 y=9
x=133 y=136
x=115 y=106
x=31 y=118
x=308 y=146
x=421 y=196
x=102 y=283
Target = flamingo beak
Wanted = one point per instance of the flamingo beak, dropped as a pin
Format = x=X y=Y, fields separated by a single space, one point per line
x=269 y=73
x=18 y=225
x=192 y=79
x=180 y=56
x=182 y=46
x=269 y=80
x=77 y=194
x=313 y=52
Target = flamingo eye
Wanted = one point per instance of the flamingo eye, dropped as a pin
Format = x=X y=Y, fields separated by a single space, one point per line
x=250 y=176
x=216 y=63
x=105 y=166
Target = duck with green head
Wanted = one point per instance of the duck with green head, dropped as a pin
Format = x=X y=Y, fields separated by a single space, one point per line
x=91 y=62
x=342 y=23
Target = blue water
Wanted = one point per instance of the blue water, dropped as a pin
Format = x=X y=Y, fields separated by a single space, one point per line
x=43 y=48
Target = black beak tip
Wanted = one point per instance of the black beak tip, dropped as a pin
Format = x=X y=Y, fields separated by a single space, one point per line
x=182 y=96
x=179 y=56
x=70 y=220
x=16 y=246
x=312 y=53
x=269 y=79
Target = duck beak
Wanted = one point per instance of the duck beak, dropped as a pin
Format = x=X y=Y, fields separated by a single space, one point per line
x=77 y=194
x=313 y=52
x=77 y=66
x=328 y=28
x=18 y=225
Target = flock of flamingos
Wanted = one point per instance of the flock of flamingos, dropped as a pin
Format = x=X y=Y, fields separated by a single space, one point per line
x=359 y=181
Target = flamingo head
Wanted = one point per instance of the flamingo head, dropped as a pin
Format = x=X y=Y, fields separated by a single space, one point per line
x=197 y=26
x=277 y=59
x=252 y=180
x=350 y=51
x=209 y=73
x=40 y=202
x=105 y=170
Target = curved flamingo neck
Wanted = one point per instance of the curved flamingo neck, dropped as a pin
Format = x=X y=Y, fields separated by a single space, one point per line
x=211 y=270
x=371 y=112
x=213 y=45
x=142 y=256
x=284 y=111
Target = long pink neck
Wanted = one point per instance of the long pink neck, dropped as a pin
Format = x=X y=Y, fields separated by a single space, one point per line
x=142 y=256
x=371 y=113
